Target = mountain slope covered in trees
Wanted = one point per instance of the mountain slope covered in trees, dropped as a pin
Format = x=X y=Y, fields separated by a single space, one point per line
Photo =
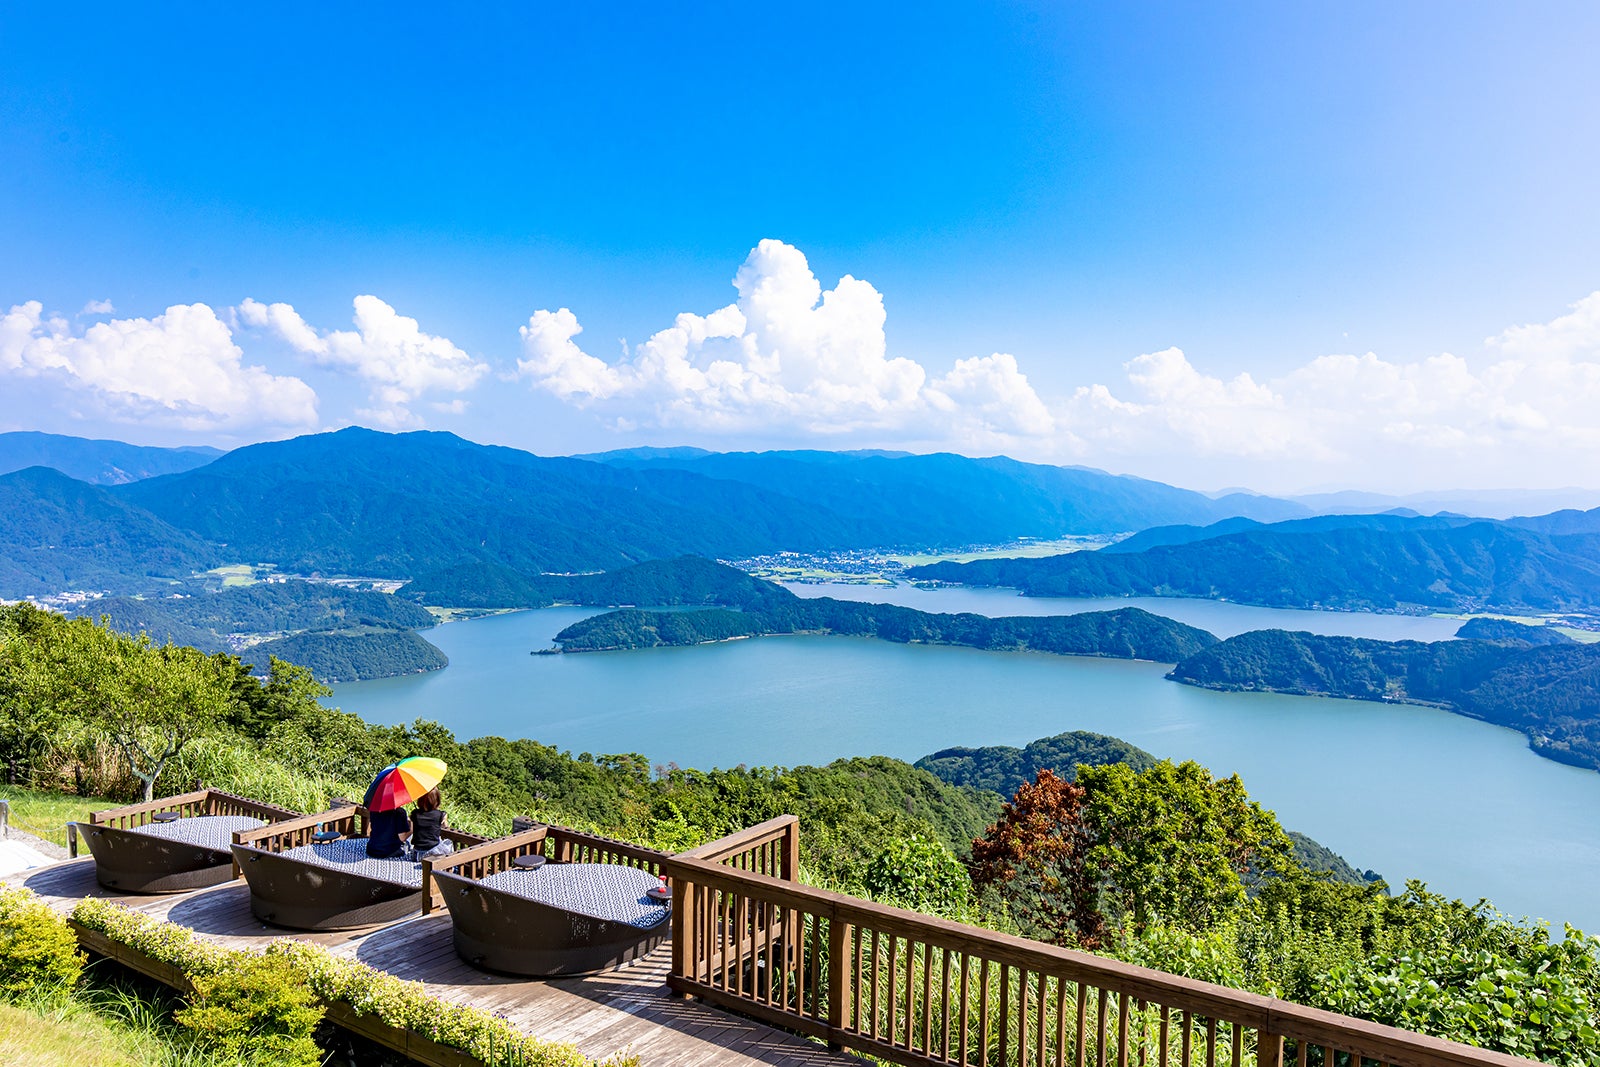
x=1549 y=692
x=1437 y=564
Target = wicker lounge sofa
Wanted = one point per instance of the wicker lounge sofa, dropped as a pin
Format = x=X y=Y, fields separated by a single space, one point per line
x=585 y=910
x=173 y=844
x=302 y=883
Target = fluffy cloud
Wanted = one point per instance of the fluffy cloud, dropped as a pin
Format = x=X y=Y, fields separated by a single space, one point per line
x=785 y=358
x=388 y=351
x=181 y=369
x=1525 y=412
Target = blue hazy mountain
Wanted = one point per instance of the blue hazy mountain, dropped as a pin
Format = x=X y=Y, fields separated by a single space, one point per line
x=953 y=500
x=99 y=462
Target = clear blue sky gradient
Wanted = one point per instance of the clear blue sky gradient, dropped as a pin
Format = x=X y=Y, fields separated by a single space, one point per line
x=1256 y=183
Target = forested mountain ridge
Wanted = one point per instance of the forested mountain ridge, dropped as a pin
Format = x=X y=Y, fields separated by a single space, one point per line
x=339 y=634
x=954 y=500
x=59 y=533
x=97 y=462
x=1549 y=692
x=1438 y=564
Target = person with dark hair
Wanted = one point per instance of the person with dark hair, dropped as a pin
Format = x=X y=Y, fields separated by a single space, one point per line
x=427 y=828
x=386 y=833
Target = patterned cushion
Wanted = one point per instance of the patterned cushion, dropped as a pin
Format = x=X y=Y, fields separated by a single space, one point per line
x=606 y=891
x=210 y=831
x=350 y=854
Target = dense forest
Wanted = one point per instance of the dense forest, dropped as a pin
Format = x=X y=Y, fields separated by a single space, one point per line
x=1550 y=692
x=1128 y=633
x=1164 y=866
x=1381 y=563
x=350 y=655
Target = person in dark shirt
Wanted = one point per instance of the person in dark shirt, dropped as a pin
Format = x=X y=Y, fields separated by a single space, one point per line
x=427 y=828
x=386 y=833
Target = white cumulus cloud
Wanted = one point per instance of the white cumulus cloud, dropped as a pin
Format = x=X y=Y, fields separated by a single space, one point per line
x=1522 y=412
x=388 y=351
x=180 y=369
x=787 y=357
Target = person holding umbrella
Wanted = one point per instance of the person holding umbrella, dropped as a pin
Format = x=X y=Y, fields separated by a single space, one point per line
x=396 y=786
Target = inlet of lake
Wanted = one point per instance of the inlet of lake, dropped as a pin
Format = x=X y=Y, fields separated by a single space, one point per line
x=1407 y=791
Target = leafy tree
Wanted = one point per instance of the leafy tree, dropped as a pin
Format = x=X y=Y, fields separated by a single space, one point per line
x=28 y=717
x=1038 y=855
x=148 y=701
x=1174 y=844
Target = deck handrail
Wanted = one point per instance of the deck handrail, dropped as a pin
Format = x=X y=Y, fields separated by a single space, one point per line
x=915 y=989
x=201 y=801
x=559 y=844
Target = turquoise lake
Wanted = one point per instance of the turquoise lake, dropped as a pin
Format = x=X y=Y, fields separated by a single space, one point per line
x=1410 y=792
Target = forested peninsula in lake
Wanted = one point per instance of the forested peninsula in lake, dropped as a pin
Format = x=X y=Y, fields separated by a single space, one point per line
x=1550 y=692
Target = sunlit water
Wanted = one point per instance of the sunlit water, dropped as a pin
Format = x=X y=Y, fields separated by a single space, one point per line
x=1409 y=792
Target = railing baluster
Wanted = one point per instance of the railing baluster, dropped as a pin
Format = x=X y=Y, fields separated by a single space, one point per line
x=983 y=1013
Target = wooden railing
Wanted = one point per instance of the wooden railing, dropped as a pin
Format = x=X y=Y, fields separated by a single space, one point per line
x=913 y=989
x=558 y=844
x=188 y=805
x=771 y=848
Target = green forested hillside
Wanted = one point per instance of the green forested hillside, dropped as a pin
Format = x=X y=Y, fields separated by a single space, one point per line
x=1551 y=693
x=1508 y=630
x=1410 y=563
x=204 y=619
x=1003 y=768
x=57 y=533
x=1125 y=634
x=351 y=656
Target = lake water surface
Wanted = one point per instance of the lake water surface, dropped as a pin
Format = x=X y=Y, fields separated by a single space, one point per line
x=1409 y=792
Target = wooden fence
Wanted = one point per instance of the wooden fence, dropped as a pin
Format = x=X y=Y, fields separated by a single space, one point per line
x=915 y=990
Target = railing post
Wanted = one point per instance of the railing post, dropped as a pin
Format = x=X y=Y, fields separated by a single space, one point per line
x=1269 y=1049
x=841 y=977
x=683 y=948
x=791 y=852
x=72 y=840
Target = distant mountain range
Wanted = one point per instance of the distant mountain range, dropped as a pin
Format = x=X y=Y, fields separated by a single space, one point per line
x=1384 y=562
x=402 y=505
x=98 y=462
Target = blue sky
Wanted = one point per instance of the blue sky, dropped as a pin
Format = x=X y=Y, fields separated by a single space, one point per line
x=1286 y=246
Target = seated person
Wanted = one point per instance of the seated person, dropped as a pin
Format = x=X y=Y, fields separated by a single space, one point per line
x=386 y=833
x=427 y=836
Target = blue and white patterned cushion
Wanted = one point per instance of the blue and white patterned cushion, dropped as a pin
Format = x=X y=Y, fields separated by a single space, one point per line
x=209 y=831
x=350 y=854
x=607 y=891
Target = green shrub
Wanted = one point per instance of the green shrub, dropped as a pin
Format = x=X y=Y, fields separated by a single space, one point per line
x=39 y=957
x=259 y=1008
x=1207 y=957
x=918 y=873
x=1538 y=1001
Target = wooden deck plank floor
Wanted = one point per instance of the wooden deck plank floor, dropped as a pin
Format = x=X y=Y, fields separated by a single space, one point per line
x=627 y=1010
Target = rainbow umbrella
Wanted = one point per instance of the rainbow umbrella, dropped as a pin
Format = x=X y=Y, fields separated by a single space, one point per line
x=401 y=784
